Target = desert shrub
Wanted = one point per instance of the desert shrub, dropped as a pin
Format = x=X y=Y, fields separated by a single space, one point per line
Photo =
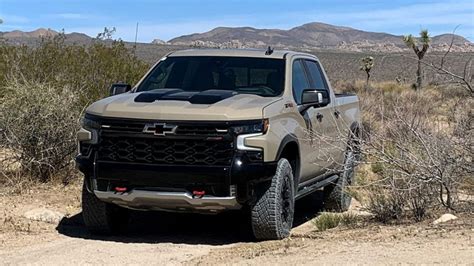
x=384 y=204
x=328 y=220
x=88 y=70
x=424 y=160
x=418 y=147
x=38 y=124
x=43 y=90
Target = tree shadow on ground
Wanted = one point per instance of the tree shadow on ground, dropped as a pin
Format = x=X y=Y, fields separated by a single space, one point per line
x=165 y=227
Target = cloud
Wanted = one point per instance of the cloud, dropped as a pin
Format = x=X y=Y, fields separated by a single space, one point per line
x=13 y=19
x=70 y=16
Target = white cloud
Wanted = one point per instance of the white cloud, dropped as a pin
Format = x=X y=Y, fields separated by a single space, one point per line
x=69 y=16
x=12 y=19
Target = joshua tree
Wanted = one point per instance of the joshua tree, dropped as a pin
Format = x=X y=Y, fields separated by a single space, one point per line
x=412 y=42
x=366 y=64
x=106 y=34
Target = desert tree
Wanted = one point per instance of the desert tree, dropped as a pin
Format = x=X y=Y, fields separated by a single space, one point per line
x=366 y=64
x=420 y=50
x=107 y=34
x=411 y=161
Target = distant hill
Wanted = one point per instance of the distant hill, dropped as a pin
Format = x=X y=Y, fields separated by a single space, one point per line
x=314 y=34
x=31 y=37
x=41 y=32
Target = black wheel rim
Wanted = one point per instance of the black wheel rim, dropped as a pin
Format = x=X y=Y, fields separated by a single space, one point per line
x=287 y=206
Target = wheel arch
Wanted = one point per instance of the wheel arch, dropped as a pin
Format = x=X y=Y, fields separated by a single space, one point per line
x=290 y=150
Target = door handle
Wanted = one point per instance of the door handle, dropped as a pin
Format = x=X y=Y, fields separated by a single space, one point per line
x=337 y=113
x=319 y=117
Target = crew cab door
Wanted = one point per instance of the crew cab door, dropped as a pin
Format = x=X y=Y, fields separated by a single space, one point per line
x=327 y=134
x=321 y=131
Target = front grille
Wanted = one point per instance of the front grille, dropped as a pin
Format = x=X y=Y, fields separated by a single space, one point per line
x=165 y=151
x=192 y=143
x=183 y=129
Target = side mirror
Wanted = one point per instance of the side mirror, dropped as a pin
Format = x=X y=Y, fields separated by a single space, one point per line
x=317 y=98
x=119 y=88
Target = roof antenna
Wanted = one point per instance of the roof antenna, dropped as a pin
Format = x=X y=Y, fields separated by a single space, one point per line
x=269 y=51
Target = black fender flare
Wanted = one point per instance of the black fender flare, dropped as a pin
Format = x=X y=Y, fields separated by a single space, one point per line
x=290 y=138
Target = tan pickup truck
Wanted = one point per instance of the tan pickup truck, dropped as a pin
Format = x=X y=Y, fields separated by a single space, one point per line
x=215 y=130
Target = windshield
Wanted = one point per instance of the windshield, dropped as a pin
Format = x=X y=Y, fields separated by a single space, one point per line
x=260 y=76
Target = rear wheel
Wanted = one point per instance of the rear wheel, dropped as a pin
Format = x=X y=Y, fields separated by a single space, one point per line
x=272 y=214
x=100 y=217
x=336 y=197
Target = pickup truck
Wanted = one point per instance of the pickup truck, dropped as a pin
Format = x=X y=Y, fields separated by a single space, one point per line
x=212 y=130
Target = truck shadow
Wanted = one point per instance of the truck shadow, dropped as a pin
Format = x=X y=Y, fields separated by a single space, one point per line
x=164 y=227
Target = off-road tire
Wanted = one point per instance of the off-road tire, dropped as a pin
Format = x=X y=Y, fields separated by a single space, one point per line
x=100 y=217
x=336 y=197
x=272 y=214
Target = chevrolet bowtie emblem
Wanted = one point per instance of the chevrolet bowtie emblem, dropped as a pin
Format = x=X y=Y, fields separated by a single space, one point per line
x=160 y=129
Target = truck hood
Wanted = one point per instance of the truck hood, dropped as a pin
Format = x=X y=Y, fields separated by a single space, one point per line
x=174 y=104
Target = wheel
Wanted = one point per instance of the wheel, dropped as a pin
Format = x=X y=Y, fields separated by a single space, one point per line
x=272 y=214
x=100 y=217
x=336 y=197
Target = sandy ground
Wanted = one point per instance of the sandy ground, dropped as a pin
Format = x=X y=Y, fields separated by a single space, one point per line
x=164 y=238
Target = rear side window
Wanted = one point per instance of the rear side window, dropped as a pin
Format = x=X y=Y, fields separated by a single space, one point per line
x=300 y=82
x=316 y=74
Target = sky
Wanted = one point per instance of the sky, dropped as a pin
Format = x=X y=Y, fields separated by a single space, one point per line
x=167 y=19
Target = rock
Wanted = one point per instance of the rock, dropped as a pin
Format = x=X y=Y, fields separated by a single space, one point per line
x=444 y=218
x=44 y=215
x=158 y=41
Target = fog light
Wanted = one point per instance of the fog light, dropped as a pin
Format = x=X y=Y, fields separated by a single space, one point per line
x=233 y=190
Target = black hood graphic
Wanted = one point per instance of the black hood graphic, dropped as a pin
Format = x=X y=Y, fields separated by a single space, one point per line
x=194 y=97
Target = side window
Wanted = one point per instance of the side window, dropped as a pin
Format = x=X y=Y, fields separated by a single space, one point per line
x=317 y=76
x=300 y=82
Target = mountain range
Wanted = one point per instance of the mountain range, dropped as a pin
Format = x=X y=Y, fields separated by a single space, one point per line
x=311 y=35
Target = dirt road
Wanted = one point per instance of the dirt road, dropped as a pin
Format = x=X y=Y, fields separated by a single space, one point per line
x=163 y=238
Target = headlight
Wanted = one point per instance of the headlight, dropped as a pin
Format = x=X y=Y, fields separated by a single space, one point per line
x=253 y=127
x=249 y=130
x=88 y=123
x=89 y=131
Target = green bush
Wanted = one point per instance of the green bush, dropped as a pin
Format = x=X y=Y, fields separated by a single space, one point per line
x=385 y=205
x=328 y=220
x=87 y=70
x=43 y=90
x=38 y=128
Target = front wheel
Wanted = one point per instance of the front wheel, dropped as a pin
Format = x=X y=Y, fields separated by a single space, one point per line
x=272 y=214
x=100 y=217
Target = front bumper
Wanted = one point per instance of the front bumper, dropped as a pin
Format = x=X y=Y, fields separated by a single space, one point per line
x=169 y=188
x=168 y=201
x=162 y=172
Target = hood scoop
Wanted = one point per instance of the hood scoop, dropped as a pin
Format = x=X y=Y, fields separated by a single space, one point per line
x=194 y=97
x=149 y=97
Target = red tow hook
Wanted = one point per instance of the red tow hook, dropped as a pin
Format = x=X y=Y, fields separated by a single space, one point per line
x=121 y=189
x=198 y=194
